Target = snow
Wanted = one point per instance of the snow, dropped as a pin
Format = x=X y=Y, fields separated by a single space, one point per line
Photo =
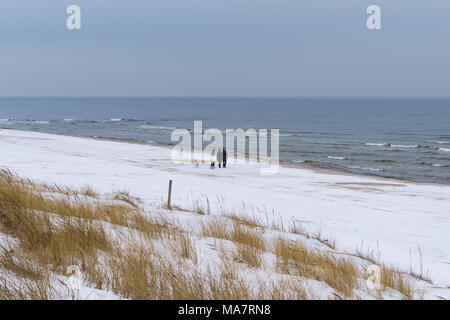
x=396 y=219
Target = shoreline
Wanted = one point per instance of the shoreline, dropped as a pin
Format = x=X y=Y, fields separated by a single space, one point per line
x=285 y=164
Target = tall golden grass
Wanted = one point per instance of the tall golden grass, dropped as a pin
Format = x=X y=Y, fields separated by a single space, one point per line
x=142 y=255
x=295 y=258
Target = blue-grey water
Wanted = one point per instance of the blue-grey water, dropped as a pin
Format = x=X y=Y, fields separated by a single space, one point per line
x=397 y=138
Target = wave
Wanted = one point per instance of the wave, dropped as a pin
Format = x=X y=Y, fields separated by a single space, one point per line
x=438 y=142
x=375 y=144
x=404 y=146
x=123 y=119
x=438 y=165
x=89 y=121
x=383 y=160
x=285 y=135
x=444 y=149
x=27 y=121
x=298 y=161
x=365 y=168
x=156 y=127
x=336 y=158
x=308 y=162
x=385 y=144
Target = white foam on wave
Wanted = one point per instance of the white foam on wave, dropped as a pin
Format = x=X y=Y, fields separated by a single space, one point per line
x=438 y=142
x=404 y=146
x=444 y=149
x=69 y=120
x=376 y=144
x=336 y=158
x=156 y=127
x=261 y=133
x=116 y=119
x=437 y=165
x=41 y=122
x=284 y=134
x=365 y=168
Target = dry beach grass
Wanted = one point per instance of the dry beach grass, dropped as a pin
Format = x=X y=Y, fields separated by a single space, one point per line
x=134 y=253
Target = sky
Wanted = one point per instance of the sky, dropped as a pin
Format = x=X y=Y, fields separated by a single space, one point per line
x=226 y=48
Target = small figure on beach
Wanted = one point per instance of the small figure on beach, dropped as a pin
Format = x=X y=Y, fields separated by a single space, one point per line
x=219 y=157
x=196 y=163
x=224 y=157
x=213 y=162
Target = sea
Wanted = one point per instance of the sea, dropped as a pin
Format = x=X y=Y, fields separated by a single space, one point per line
x=406 y=139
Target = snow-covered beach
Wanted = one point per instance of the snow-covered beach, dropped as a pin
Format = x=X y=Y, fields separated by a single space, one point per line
x=406 y=223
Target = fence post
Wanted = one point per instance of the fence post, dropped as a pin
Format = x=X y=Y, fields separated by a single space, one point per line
x=169 y=197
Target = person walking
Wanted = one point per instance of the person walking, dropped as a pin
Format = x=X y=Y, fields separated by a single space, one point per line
x=224 y=157
x=219 y=157
x=213 y=163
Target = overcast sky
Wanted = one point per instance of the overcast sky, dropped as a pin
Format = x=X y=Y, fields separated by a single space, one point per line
x=225 y=48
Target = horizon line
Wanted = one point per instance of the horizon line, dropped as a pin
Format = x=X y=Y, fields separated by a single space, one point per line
x=223 y=97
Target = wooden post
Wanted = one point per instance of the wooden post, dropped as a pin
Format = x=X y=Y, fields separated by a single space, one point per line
x=169 y=197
